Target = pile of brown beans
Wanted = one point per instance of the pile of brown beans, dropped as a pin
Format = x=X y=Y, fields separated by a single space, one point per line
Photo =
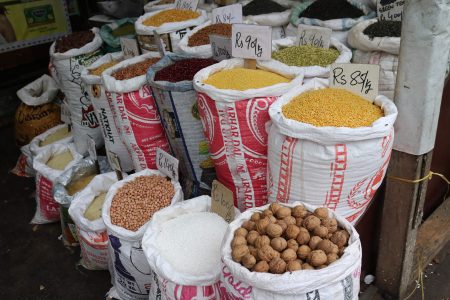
x=135 y=70
x=74 y=41
x=201 y=37
x=135 y=203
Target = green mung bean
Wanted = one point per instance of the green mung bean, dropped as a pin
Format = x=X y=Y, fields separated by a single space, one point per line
x=303 y=56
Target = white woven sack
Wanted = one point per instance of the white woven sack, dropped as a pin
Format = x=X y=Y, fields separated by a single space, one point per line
x=234 y=125
x=105 y=110
x=47 y=209
x=68 y=67
x=337 y=167
x=273 y=19
x=44 y=86
x=338 y=281
x=132 y=273
x=169 y=280
x=311 y=71
x=171 y=32
x=92 y=235
x=140 y=124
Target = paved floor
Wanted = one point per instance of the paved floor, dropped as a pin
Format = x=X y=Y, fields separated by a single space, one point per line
x=34 y=264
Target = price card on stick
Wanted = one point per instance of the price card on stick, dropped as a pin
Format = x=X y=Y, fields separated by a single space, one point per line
x=167 y=164
x=129 y=46
x=220 y=46
x=159 y=43
x=390 y=10
x=186 y=4
x=222 y=202
x=361 y=79
x=251 y=42
x=231 y=14
x=115 y=164
x=314 y=36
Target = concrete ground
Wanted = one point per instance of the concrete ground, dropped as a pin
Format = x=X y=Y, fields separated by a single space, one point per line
x=34 y=264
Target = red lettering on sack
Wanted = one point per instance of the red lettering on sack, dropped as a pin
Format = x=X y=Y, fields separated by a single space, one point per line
x=285 y=172
x=238 y=286
x=338 y=168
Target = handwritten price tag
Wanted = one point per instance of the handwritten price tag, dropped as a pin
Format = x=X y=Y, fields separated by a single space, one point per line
x=159 y=43
x=251 y=41
x=65 y=113
x=222 y=202
x=129 y=47
x=314 y=36
x=167 y=164
x=220 y=46
x=186 y=4
x=358 y=78
x=390 y=10
x=230 y=14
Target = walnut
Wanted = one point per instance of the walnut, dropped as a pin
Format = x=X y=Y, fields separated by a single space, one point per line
x=288 y=255
x=253 y=251
x=303 y=236
x=292 y=231
x=274 y=230
x=321 y=267
x=261 y=266
x=307 y=266
x=278 y=244
x=321 y=231
x=299 y=222
x=274 y=207
x=272 y=219
x=241 y=231
x=277 y=266
x=326 y=246
x=321 y=212
x=262 y=241
x=248 y=261
x=238 y=240
x=252 y=236
x=239 y=252
x=267 y=213
x=331 y=258
x=249 y=225
x=311 y=222
x=292 y=244
x=261 y=225
x=294 y=265
x=283 y=212
x=330 y=224
x=317 y=258
x=267 y=253
x=303 y=252
x=314 y=241
x=340 y=238
x=256 y=217
x=282 y=224
x=290 y=220
x=299 y=211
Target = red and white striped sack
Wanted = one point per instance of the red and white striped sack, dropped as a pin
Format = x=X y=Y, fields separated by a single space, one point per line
x=337 y=167
x=234 y=123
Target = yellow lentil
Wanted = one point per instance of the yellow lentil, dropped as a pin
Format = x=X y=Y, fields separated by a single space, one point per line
x=332 y=107
x=170 y=15
x=243 y=79
x=60 y=161
x=99 y=70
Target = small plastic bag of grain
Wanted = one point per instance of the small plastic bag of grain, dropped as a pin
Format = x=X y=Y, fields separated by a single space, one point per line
x=59 y=134
x=86 y=211
x=311 y=61
x=359 y=155
x=127 y=88
x=65 y=156
x=131 y=271
x=339 y=280
x=69 y=55
x=182 y=244
x=234 y=121
x=112 y=32
x=171 y=32
x=105 y=109
x=176 y=99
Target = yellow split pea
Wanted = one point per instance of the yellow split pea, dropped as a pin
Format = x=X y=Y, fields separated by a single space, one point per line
x=241 y=79
x=332 y=107
x=169 y=16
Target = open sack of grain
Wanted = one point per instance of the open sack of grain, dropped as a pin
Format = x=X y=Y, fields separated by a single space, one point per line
x=171 y=24
x=182 y=244
x=128 y=208
x=127 y=89
x=171 y=82
x=309 y=60
x=86 y=211
x=233 y=104
x=49 y=164
x=69 y=56
x=105 y=108
x=326 y=156
x=279 y=261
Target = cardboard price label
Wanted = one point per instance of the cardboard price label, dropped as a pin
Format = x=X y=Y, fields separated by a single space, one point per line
x=186 y=4
x=159 y=43
x=360 y=79
x=222 y=202
x=314 y=36
x=220 y=46
x=390 y=10
x=230 y=14
x=65 y=113
x=129 y=46
x=167 y=164
x=251 y=41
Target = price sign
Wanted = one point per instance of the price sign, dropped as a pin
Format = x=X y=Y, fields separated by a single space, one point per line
x=230 y=14
x=167 y=164
x=222 y=202
x=361 y=79
x=186 y=4
x=159 y=43
x=91 y=148
x=65 y=113
x=220 y=46
x=251 y=41
x=129 y=47
x=390 y=10
x=114 y=161
x=314 y=36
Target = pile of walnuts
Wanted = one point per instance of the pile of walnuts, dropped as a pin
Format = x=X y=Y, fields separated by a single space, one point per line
x=282 y=239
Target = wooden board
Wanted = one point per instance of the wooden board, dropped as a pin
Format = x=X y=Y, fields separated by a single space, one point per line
x=401 y=217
